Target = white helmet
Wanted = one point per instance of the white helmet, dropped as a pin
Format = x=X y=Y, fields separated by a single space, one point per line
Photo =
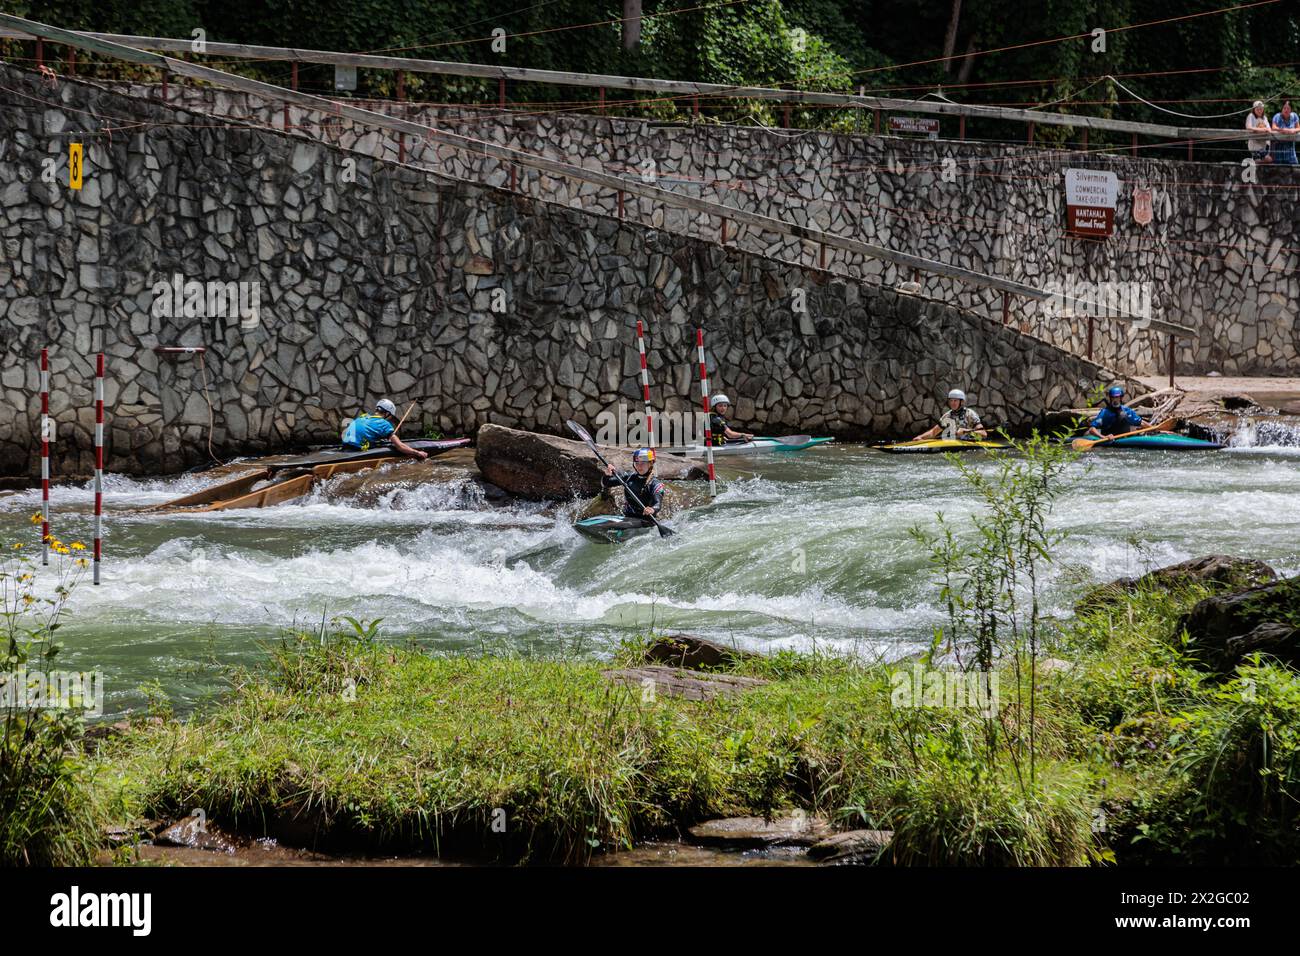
x=719 y=399
x=387 y=407
x=957 y=393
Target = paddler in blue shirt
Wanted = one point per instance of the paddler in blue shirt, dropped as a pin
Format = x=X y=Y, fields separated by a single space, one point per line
x=370 y=431
x=719 y=427
x=642 y=482
x=1115 y=418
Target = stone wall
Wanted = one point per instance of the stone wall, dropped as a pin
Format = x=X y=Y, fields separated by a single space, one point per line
x=1221 y=255
x=381 y=280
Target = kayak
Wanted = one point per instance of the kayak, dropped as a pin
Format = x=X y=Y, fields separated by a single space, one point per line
x=934 y=445
x=339 y=454
x=1169 y=441
x=611 y=529
x=758 y=445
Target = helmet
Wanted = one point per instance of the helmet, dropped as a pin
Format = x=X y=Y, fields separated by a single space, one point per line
x=387 y=407
x=719 y=399
x=1115 y=391
x=958 y=394
x=644 y=454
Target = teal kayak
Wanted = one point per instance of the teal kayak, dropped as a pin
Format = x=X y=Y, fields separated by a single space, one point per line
x=611 y=529
x=1168 y=441
x=757 y=446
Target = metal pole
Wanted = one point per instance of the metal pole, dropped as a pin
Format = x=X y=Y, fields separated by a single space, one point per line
x=708 y=428
x=99 y=462
x=645 y=383
x=45 y=456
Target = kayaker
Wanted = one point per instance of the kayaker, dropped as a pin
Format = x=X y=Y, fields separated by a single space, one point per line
x=958 y=422
x=648 y=489
x=370 y=431
x=719 y=409
x=1115 y=418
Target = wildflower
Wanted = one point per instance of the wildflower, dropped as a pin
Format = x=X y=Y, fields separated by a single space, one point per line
x=37 y=518
x=28 y=599
x=82 y=563
x=18 y=545
x=78 y=546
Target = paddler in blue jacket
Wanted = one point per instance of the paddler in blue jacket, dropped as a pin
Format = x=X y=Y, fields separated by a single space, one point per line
x=719 y=427
x=1115 y=418
x=370 y=431
x=642 y=482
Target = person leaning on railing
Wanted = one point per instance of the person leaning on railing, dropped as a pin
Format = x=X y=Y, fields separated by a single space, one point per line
x=1285 y=126
x=1257 y=121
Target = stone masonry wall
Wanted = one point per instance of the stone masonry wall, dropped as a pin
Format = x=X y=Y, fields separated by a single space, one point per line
x=1221 y=255
x=476 y=303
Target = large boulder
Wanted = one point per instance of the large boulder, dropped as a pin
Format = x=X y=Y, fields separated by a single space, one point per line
x=549 y=468
x=1214 y=571
x=695 y=653
x=1222 y=630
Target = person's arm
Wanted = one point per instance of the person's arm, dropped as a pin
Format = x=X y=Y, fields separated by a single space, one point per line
x=733 y=435
x=927 y=435
x=973 y=427
x=656 y=489
x=609 y=481
x=1094 y=427
x=406 y=449
x=1132 y=417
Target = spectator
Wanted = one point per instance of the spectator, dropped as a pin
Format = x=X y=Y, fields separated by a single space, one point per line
x=1257 y=121
x=1284 y=130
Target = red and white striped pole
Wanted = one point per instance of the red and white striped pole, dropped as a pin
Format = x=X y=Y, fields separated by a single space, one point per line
x=45 y=456
x=708 y=429
x=645 y=385
x=99 y=461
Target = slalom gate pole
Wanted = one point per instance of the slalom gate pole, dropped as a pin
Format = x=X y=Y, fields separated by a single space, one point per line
x=99 y=462
x=645 y=385
x=708 y=430
x=45 y=456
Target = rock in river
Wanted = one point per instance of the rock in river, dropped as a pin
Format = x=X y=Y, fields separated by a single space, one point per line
x=548 y=468
x=1214 y=570
x=1222 y=630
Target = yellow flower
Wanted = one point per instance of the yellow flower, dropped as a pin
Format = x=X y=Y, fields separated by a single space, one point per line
x=28 y=599
x=78 y=546
x=37 y=518
x=82 y=563
x=18 y=546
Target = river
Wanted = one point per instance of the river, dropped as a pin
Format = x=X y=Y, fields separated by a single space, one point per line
x=800 y=551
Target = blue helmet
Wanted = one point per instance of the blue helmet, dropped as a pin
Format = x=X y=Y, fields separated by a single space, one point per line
x=1115 y=391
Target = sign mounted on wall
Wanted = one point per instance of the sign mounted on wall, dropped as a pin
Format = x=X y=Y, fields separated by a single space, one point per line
x=75 y=170
x=345 y=78
x=1090 y=196
x=1142 y=205
x=911 y=124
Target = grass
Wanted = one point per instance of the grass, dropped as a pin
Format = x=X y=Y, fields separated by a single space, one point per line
x=356 y=744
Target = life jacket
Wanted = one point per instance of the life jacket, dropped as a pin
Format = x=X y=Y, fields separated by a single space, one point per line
x=366 y=430
x=648 y=489
x=718 y=427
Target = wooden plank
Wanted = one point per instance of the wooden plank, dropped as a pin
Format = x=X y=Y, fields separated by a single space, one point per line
x=226 y=489
x=272 y=495
x=351 y=467
x=682 y=88
x=554 y=167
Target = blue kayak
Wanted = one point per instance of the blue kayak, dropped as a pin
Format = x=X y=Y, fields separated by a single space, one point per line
x=1168 y=441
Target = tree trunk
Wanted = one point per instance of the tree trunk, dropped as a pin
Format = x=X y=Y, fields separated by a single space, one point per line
x=967 y=63
x=950 y=38
x=631 y=24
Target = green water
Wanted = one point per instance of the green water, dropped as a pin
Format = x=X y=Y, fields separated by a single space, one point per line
x=805 y=549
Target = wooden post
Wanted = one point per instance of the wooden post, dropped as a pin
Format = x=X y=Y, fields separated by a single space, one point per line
x=961 y=127
x=72 y=61
x=785 y=111
x=620 y=204
x=40 y=53
x=1085 y=139
x=401 y=147
x=514 y=178
x=1006 y=307
x=1030 y=135
x=695 y=106
x=877 y=112
x=602 y=101
x=724 y=232
x=1134 y=148
x=1190 y=157
x=501 y=92
x=1090 y=327
x=293 y=77
x=164 y=86
x=401 y=85
x=821 y=255
x=1172 y=340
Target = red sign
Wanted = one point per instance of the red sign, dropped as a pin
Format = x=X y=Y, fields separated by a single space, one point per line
x=1094 y=222
x=1142 y=206
x=910 y=124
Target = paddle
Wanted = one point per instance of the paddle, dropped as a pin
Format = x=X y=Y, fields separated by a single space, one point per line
x=786 y=439
x=1085 y=444
x=664 y=530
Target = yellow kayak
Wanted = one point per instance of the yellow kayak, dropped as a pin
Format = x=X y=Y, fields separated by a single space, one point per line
x=936 y=445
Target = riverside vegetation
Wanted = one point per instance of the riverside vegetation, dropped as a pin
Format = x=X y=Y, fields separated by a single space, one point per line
x=1109 y=744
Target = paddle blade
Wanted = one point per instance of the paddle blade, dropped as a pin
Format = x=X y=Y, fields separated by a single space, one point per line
x=664 y=530
x=579 y=431
x=1081 y=444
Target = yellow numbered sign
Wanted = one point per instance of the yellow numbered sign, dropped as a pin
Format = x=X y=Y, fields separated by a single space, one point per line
x=74 y=165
